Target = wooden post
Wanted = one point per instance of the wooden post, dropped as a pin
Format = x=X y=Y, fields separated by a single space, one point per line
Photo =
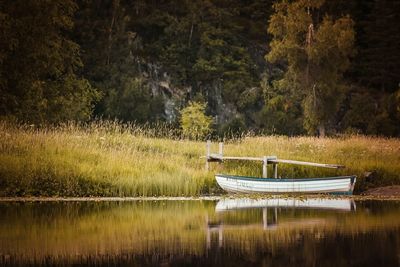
x=208 y=149
x=275 y=166
x=220 y=236
x=265 y=218
x=265 y=163
x=208 y=233
x=221 y=149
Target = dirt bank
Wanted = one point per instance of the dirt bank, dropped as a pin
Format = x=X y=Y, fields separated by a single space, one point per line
x=393 y=190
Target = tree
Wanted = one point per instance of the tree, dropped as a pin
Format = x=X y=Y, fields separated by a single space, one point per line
x=39 y=73
x=316 y=50
x=379 y=57
x=281 y=113
x=222 y=59
x=361 y=114
x=133 y=102
x=195 y=124
x=190 y=46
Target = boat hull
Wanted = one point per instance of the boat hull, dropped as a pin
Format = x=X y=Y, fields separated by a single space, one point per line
x=243 y=184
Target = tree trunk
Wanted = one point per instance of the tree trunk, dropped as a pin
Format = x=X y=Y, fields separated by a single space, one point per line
x=110 y=32
x=321 y=130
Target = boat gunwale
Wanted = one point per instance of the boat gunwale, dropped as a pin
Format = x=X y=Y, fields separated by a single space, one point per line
x=259 y=179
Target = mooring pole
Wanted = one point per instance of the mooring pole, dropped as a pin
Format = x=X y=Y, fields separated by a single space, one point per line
x=208 y=151
x=221 y=149
x=220 y=236
x=265 y=218
x=275 y=166
x=265 y=164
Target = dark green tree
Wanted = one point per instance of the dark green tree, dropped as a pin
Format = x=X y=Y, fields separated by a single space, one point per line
x=133 y=102
x=379 y=53
x=282 y=111
x=222 y=58
x=39 y=71
x=317 y=50
x=115 y=60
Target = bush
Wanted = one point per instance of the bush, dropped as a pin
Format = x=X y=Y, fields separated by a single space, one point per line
x=195 y=124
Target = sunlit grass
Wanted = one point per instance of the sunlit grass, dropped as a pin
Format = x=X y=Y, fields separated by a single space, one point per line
x=112 y=159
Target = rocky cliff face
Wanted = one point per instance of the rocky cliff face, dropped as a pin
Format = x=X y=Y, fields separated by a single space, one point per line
x=175 y=97
x=159 y=82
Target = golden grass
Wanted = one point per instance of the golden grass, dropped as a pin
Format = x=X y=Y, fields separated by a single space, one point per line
x=112 y=159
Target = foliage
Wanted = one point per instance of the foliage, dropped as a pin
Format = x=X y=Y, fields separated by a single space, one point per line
x=379 y=59
x=317 y=53
x=133 y=102
x=234 y=128
x=143 y=60
x=373 y=114
x=361 y=114
x=282 y=111
x=195 y=47
x=194 y=122
x=111 y=63
x=39 y=80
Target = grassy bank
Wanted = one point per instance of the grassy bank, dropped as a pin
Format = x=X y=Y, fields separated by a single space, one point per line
x=110 y=159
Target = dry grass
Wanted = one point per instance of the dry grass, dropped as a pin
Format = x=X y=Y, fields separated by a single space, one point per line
x=111 y=159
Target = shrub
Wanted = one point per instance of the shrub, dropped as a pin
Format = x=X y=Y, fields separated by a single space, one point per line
x=195 y=124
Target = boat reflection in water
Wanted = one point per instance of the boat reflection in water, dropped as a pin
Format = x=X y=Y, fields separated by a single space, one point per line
x=229 y=232
x=270 y=208
x=314 y=203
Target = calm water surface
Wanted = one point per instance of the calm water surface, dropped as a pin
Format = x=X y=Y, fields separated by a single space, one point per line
x=228 y=232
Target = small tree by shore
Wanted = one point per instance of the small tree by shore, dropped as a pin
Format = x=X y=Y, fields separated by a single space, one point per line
x=194 y=122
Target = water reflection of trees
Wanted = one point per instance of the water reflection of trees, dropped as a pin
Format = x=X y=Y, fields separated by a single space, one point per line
x=173 y=231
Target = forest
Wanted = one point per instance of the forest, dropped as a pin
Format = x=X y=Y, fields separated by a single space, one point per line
x=305 y=67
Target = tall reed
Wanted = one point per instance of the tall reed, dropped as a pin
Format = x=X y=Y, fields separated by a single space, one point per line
x=108 y=158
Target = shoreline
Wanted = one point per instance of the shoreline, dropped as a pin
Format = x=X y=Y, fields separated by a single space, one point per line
x=95 y=199
x=195 y=198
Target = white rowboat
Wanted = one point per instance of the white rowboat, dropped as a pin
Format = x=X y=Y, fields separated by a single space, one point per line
x=244 y=184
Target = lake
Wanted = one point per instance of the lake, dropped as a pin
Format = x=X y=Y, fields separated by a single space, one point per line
x=224 y=232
